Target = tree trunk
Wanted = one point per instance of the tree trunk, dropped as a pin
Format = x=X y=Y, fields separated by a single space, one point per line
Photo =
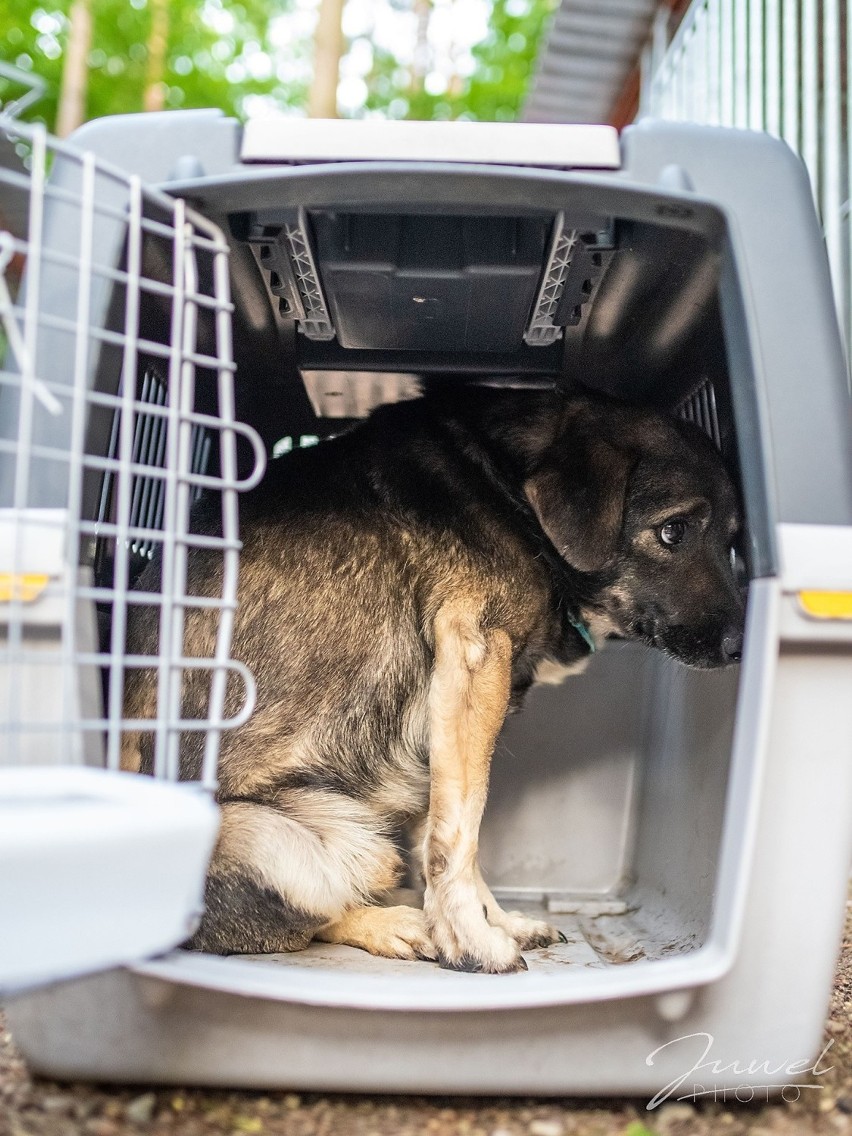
x=422 y=50
x=154 y=97
x=71 y=112
x=328 y=49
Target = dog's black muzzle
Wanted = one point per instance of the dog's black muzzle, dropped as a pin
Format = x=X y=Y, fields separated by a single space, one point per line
x=717 y=641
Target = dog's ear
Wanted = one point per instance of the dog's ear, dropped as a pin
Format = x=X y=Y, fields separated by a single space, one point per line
x=578 y=497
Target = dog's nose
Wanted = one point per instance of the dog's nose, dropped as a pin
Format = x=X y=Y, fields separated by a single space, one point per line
x=732 y=646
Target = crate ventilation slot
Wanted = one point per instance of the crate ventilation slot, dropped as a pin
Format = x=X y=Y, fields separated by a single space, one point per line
x=575 y=266
x=287 y=261
x=700 y=408
x=148 y=494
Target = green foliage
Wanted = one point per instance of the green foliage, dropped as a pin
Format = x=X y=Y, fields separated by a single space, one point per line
x=503 y=66
x=32 y=38
x=637 y=1129
x=506 y=57
x=222 y=53
x=219 y=54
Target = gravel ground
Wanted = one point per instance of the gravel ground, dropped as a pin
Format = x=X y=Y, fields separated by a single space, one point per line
x=31 y=1107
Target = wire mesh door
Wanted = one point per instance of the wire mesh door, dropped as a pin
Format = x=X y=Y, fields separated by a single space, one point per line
x=116 y=413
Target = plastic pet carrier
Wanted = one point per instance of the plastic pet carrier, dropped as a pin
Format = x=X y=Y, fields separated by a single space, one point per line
x=688 y=831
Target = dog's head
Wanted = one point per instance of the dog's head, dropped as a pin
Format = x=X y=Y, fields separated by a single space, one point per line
x=644 y=503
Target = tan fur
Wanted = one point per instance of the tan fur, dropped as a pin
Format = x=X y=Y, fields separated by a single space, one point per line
x=407 y=795
x=468 y=699
x=553 y=674
x=392 y=932
x=131 y=755
x=326 y=853
x=600 y=625
x=527 y=933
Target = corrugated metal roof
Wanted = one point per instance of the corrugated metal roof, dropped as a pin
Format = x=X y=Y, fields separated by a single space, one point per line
x=591 y=50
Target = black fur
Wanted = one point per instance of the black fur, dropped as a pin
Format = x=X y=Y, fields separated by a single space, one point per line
x=237 y=909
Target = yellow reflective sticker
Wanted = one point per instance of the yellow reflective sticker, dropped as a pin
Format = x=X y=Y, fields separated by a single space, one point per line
x=826 y=605
x=25 y=587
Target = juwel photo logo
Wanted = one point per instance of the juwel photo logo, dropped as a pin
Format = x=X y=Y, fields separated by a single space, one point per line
x=706 y=1078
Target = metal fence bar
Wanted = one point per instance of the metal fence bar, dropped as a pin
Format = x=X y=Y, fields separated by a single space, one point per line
x=809 y=88
x=700 y=104
x=790 y=117
x=714 y=63
x=772 y=67
x=741 y=101
x=832 y=163
x=756 y=66
x=784 y=66
x=727 y=30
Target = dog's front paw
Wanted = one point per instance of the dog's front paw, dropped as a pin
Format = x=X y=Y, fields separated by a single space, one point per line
x=527 y=933
x=477 y=948
x=493 y=952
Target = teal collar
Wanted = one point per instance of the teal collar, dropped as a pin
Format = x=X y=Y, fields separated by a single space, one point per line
x=583 y=632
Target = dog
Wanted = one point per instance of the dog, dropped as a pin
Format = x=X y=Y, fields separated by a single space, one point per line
x=401 y=588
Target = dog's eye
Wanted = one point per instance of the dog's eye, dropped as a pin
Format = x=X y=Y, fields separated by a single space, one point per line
x=673 y=532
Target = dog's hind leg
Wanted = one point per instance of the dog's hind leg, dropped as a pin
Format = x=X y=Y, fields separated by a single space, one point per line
x=282 y=872
x=392 y=932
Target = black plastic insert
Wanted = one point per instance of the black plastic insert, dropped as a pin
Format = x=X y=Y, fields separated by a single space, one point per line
x=430 y=283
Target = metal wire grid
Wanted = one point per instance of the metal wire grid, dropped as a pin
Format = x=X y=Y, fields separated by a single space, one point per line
x=83 y=230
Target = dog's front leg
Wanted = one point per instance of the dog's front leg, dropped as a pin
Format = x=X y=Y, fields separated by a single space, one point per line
x=526 y=932
x=468 y=696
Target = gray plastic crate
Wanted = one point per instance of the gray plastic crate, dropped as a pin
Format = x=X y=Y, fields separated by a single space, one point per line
x=690 y=832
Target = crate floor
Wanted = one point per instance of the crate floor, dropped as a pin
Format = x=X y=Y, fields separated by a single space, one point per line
x=594 y=941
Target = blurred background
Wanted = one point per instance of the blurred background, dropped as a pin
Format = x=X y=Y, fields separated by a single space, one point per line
x=781 y=66
x=439 y=59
